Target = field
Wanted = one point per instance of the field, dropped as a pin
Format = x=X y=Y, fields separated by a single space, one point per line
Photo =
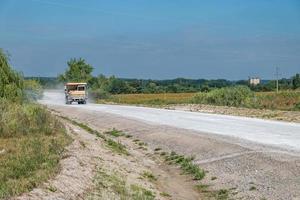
x=152 y=99
x=286 y=100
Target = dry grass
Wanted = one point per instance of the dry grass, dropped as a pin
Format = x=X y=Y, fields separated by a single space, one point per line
x=285 y=100
x=152 y=99
x=31 y=148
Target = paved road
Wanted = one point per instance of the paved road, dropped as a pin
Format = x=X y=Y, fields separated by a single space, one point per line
x=281 y=134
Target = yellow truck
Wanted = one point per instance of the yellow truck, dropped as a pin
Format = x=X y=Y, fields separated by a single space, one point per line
x=76 y=92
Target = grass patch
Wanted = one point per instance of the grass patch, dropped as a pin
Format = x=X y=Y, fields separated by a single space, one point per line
x=140 y=193
x=33 y=141
x=115 y=133
x=52 y=189
x=202 y=188
x=164 y=194
x=112 y=185
x=221 y=194
x=149 y=176
x=186 y=165
x=116 y=147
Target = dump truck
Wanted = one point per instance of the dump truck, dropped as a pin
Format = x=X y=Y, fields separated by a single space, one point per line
x=76 y=92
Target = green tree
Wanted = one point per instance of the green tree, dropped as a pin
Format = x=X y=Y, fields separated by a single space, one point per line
x=11 y=82
x=78 y=71
x=118 y=86
x=296 y=81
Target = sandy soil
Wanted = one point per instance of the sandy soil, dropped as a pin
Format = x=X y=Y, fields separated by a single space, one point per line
x=253 y=171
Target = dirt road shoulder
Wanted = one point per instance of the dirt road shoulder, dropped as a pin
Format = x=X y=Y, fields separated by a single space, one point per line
x=254 y=172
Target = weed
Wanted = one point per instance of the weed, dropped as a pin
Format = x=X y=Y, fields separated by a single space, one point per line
x=186 y=165
x=221 y=194
x=114 y=184
x=115 y=133
x=117 y=147
x=149 y=176
x=52 y=188
x=164 y=194
x=157 y=149
x=202 y=188
x=213 y=178
x=139 y=193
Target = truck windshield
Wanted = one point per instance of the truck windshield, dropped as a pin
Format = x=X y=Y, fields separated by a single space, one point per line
x=81 y=88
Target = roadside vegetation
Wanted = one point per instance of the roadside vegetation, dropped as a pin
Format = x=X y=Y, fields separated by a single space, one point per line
x=115 y=146
x=239 y=96
x=31 y=139
x=186 y=164
x=117 y=186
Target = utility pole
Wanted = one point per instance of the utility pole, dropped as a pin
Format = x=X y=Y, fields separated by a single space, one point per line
x=277 y=77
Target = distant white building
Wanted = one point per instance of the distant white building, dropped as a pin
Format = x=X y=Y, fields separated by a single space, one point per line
x=254 y=81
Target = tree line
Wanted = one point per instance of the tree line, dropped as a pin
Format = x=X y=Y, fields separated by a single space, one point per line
x=78 y=70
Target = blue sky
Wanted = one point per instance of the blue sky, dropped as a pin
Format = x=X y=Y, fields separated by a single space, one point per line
x=155 y=39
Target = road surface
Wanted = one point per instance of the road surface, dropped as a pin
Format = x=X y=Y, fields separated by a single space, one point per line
x=274 y=133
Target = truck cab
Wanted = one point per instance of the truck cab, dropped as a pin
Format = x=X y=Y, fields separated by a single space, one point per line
x=76 y=92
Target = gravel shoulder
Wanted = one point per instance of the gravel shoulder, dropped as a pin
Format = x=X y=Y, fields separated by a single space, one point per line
x=253 y=171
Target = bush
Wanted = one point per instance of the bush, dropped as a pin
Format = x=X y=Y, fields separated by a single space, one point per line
x=22 y=119
x=33 y=89
x=11 y=82
x=99 y=94
x=286 y=100
x=231 y=96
